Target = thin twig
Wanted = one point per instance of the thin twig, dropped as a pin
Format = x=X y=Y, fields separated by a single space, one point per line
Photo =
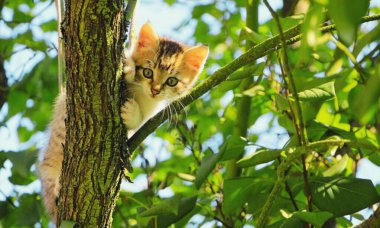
x=290 y=193
x=370 y=54
x=301 y=130
x=352 y=58
x=8 y=199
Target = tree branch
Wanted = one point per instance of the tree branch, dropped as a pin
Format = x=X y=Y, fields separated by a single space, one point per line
x=372 y=221
x=268 y=46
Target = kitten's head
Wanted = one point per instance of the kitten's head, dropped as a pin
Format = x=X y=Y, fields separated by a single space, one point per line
x=166 y=69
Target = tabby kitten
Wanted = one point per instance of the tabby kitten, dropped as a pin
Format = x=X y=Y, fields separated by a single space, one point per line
x=164 y=70
x=157 y=71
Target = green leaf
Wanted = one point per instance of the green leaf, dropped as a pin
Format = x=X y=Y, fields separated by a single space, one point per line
x=67 y=224
x=202 y=28
x=16 y=102
x=3 y=158
x=311 y=32
x=21 y=16
x=226 y=86
x=344 y=195
x=320 y=93
x=313 y=21
x=168 y=206
x=259 y=157
x=316 y=218
x=316 y=130
x=186 y=177
x=233 y=147
x=364 y=98
x=375 y=158
x=282 y=103
x=170 y=2
x=50 y=26
x=250 y=71
x=252 y=36
x=28 y=211
x=28 y=40
x=22 y=162
x=207 y=166
x=337 y=168
x=236 y=192
x=6 y=46
x=291 y=222
x=367 y=38
x=24 y=134
x=186 y=205
x=323 y=56
x=199 y=10
x=286 y=23
x=347 y=17
x=4 y=209
x=253 y=91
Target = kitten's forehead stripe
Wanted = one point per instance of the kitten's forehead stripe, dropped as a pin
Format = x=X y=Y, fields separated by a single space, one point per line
x=167 y=54
x=168 y=48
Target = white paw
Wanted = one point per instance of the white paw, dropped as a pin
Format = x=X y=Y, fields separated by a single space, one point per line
x=131 y=115
x=129 y=69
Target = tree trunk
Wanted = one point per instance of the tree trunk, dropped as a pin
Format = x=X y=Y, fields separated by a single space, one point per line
x=95 y=137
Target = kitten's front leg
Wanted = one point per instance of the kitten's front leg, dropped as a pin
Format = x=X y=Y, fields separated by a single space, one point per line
x=129 y=68
x=131 y=114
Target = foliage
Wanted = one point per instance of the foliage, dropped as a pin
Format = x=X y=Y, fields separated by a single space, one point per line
x=337 y=78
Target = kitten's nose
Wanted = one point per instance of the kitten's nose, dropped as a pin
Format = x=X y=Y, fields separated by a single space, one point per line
x=154 y=91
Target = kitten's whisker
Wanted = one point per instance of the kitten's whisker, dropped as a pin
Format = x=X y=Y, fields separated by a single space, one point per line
x=183 y=107
x=164 y=113
x=192 y=98
x=175 y=114
x=168 y=111
x=171 y=114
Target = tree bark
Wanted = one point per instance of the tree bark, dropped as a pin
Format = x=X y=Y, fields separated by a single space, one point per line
x=372 y=221
x=95 y=136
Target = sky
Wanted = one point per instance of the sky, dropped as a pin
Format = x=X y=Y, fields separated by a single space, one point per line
x=165 y=22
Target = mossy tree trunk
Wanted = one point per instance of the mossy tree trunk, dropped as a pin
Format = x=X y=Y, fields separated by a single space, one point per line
x=95 y=137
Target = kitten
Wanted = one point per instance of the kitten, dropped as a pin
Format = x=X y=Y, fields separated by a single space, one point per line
x=157 y=71
x=164 y=71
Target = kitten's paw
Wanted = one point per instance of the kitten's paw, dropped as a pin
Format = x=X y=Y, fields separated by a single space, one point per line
x=130 y=113
x=129 y=69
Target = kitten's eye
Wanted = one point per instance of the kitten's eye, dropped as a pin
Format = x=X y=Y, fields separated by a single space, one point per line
x=172 y=81
x=148 y=73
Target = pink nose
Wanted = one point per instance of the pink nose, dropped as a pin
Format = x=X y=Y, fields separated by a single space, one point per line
x=154 y=91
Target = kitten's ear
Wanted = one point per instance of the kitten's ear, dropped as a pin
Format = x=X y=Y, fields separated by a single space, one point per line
x=148 y=38
x=195 y=58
